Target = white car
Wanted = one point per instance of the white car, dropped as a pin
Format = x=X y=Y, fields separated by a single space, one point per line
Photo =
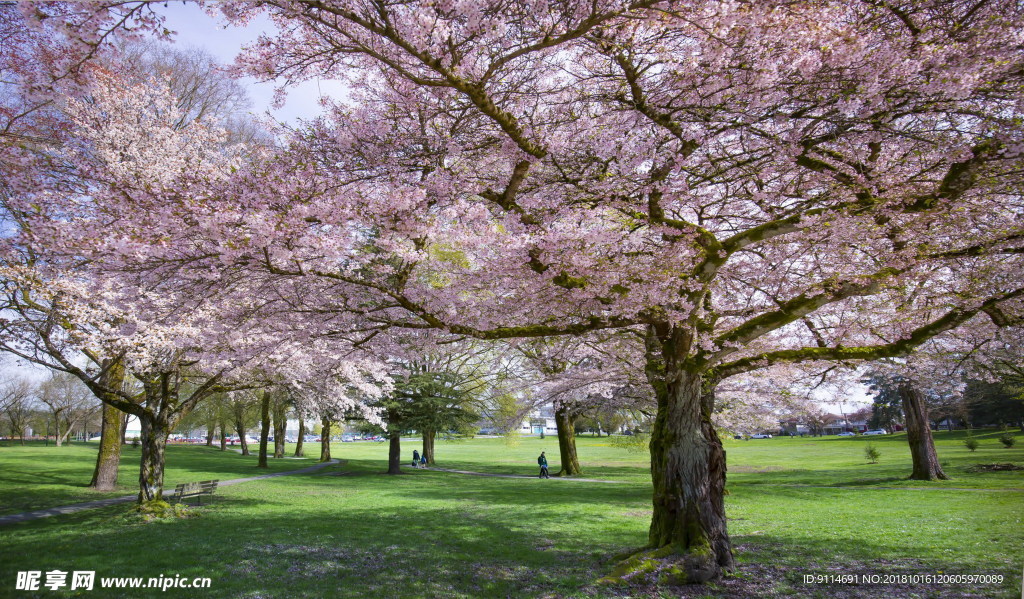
x=760 y=436
x=847 y=434
x=876 y=432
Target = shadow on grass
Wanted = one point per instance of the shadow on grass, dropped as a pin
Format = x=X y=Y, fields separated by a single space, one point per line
x=265 y=546
x=47 y=477
x=259 y=546
x=790 y=559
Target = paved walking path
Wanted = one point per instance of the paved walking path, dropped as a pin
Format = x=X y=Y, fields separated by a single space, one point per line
x=89 y=505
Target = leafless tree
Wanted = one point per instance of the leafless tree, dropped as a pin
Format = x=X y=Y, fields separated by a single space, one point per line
x=17 y=402
x=70 y=403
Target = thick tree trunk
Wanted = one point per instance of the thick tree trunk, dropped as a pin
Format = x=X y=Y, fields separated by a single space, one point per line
x=299 y=452
x=56 y=434
x=428 y=445
x=211 y=429
x=325 y=440
x=919 y=435
x=688 y=541
x=151 y=468
x=566 y=442
x=264 y=429
x=688 y=471
x=280 y=426
x=394 y=453
x=124 y=429
x=223 y=434
x=104 y=476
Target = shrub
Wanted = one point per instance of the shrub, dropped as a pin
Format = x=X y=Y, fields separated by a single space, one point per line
x=513 y=438
x=971 y=443
x=135 y=442
x=1008 y=440
x=871 y=453
x=636 y=443
x=161 y=510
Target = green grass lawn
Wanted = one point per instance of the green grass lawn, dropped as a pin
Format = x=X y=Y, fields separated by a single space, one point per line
x=796 y=507
x=37 y=476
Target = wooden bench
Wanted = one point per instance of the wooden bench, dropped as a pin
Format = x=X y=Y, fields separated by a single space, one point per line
x=197 y=490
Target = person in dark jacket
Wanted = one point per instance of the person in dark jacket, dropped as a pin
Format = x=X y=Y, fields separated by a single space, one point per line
x=415 y=459
x=543 y=463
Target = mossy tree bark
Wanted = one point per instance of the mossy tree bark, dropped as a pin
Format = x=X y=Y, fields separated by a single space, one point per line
x=687 y=464
x=566 y=441
x=104 y=476
x=151 y=469
x=394 y=452
x=428 y=445
x=108 y=459
x=325 y=440
x=919 y=435
x=163 y=409
x=223 y=426
x=280 y=424
x=264 y=428
x=299 y=451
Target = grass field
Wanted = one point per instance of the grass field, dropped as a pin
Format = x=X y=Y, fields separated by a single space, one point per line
x=800 y=506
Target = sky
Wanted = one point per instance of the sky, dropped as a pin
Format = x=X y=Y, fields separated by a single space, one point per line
x=195 y=28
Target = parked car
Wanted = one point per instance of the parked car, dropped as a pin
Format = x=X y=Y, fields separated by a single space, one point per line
x=761 y=436
x=847 y=434
x=876 y=432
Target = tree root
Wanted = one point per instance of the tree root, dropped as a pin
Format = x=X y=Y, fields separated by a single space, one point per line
x=666 y=565
x=158 y=509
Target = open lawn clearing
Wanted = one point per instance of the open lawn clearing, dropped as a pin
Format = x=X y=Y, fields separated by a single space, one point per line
x=438 y=534
x=825 y=461
x=37 y=476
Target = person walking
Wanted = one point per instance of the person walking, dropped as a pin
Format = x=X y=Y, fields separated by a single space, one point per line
x=415 y=459
x=423 y=460
x=543 y=463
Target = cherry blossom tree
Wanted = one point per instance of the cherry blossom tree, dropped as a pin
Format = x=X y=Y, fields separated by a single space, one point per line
x=581 y=374
x=158 y=329
x=937 y=374
x=749 y=184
